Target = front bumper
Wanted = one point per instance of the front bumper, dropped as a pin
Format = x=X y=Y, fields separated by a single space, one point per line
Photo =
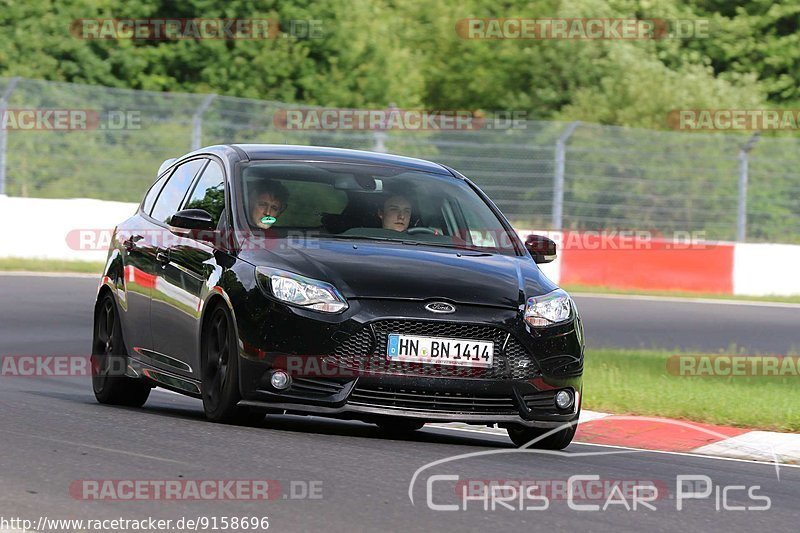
x=339 y=367
x=429 y=399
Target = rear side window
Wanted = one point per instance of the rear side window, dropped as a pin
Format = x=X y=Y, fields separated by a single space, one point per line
x=152 y=194
x=175 y=189
x=209 y=193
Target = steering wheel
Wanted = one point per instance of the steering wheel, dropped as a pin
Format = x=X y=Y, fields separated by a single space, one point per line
x=421 y=229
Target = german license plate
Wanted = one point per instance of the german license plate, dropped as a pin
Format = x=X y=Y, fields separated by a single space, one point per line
x=439 y=350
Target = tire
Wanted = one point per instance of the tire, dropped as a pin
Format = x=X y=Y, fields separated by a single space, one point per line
x=110 y=358
x=399 y=426
x=220 y=370
x=521 y=435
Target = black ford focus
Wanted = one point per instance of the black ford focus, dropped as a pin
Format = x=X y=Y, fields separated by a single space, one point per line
x=271 y=279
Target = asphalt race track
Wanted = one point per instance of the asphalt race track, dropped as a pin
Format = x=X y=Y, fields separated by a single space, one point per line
x=347 y=476
x=641 y=322
x=63 y=307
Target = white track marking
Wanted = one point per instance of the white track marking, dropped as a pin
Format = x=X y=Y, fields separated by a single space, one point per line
x=749 y=445
x=51 y=274
x=586 y=416
x=496 y=431
x=691 y=454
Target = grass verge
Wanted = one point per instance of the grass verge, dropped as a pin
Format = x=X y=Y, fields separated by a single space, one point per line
x=637 y=382
x=50 y=265
x=679 y=294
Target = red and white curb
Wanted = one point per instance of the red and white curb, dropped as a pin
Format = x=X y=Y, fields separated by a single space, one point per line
x=668 y=435
x=639 y=261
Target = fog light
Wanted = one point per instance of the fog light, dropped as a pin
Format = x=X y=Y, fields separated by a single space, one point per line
x=564 y=399
x=280 y=380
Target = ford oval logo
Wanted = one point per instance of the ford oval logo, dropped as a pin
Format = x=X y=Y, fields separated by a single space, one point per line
x=440 y=307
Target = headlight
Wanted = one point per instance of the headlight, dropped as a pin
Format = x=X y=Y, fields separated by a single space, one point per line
x=300 y=290
x=552 y=308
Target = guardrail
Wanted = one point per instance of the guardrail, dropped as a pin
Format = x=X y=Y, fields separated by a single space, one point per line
x=79 y=229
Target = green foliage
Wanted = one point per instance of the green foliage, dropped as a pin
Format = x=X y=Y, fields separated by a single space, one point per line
x=639 y=90
x=760 y=37
x=375 y=52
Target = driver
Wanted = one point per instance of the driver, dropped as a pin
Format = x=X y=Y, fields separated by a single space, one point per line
x=268 y=201
x=395 y=213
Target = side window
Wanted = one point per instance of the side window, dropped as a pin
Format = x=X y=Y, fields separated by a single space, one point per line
x=173 y=192
x=152 y=194
x=477 y=229
x=209 y=193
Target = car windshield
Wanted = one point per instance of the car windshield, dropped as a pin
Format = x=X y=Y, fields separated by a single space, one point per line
x=368 y=202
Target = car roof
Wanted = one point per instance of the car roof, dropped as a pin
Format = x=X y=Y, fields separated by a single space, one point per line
x=343 y=155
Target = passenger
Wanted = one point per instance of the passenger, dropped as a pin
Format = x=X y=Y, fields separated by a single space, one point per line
x=395 y=213
x=268 y=201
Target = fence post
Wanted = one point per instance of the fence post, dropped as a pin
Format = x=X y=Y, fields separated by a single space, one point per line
x=197 y=122
x=558 y=178
x=379 y=134
x=12 y=83
x=379 y=141
x=744 y=169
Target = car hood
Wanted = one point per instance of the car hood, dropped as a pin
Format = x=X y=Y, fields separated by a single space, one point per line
x=362 y=269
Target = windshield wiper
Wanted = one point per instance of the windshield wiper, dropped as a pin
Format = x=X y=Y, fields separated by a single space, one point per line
x=481 y=251
x=365 y=238
x=478 y=251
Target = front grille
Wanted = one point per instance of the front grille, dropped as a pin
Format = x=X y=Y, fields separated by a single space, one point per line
x=366 y=350
x=432 y=401
x=519 y=362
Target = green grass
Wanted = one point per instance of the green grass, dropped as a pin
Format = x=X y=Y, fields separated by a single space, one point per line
x=637 y=382
x=680 y=294
x=50 y=265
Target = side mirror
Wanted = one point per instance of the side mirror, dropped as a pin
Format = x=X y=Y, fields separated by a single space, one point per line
x=542 y=249
x=193 y=219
